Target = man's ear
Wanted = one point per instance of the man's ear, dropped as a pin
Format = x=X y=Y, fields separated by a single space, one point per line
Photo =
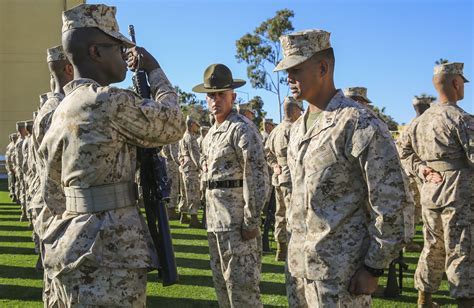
x=455 y=83
x=94 y=53
x=323 y=67
x=69 y=69
x=234 y=96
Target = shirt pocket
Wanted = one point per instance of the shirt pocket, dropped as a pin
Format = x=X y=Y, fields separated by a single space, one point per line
x=319 y=160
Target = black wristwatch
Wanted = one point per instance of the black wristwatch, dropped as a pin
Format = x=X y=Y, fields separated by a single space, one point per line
x=376 y=272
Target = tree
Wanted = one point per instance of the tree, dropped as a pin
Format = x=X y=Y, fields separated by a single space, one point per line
x=261 y=50
x=257 y=104
x=185 y=98
x=426 y=97
x=391 y=123
x=441 y=61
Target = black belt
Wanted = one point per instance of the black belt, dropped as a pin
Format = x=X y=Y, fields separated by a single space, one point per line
x=225 y=184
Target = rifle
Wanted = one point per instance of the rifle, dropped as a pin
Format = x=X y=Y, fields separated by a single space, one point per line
x=394 y=289
x=156 y=190
x=269 y=222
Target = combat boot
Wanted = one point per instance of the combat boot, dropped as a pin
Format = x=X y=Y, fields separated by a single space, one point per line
x=194 y=223
x=184 y=218
x=281 y=252
x=465 y=302
x=425 y=300
x=172 y=214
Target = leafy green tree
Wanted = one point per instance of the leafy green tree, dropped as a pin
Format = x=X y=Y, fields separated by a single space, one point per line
x=441 y=61
x=425 y=96
x=185 y=98
x=261 y=51
x=391 y=123
x=257 y=104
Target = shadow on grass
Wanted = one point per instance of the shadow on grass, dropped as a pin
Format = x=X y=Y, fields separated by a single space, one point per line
x=273 y=268
x=191 y=249
x=183 y=236
x=9 y=218
x=193 y=263
x=20 y=292
x=11 y=213
x=17 y=251
x=15 y=239
x=20 y=272
x=14 y=228
x=161 y=301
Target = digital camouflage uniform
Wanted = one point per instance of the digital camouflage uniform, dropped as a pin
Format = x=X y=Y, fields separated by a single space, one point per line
x=233 y=151
x=99 y=250
x=170 y=152
x=10 y=166
x=20 y=191
x=443 y=139
x=338 y=223
x=189 y=157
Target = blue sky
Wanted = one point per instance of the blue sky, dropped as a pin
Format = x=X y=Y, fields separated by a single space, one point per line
x=388 y=46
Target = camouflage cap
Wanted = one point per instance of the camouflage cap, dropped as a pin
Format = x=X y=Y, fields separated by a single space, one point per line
x=245 y=107
x=300 y=46
x=94 y=16
x=55 y=54
x=20 y=124
x=450 y=68
x=193 y=118
x=204 y=128
x=291 y=100
x=358 y=92
x=268 y=121
x=29 y=123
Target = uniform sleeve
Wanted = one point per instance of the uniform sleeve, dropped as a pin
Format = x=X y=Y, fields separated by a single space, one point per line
x=388 y=201
x=410 y=160
x=145 y=122
x=270 y=150
x=465 y=134
x=194 y=152
x=250 y=154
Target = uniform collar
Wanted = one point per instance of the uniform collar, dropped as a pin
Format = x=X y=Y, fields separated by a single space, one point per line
x=72 y=85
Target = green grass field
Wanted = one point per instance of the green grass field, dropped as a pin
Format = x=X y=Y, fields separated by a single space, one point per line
x=20 y=284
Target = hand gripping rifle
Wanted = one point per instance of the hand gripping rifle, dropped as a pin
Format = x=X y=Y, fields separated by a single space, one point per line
x=156 y=190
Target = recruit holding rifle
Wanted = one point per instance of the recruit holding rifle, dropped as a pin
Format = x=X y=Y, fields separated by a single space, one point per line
x=156 y=189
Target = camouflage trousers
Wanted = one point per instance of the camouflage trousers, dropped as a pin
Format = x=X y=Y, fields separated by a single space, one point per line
x=282 y=195
x=448 y=246
x=34 y=212
x=235 y=269
x=92 y=286
x=173 y=175
x=414 y=189
x=294 y=290
x=190 y=194
x=327 y=293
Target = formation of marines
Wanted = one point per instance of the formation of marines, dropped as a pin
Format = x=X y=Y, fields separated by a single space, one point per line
x=347 y=196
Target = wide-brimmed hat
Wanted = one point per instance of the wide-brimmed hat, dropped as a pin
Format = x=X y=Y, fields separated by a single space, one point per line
x=94 y=16
x=218 y=78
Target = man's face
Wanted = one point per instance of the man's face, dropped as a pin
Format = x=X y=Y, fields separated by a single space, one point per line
x=303 y=80
x=22 y=131
x=360 y=100
x=249 y=115
x=112 y=53
x=269 y=127
x=220 y=103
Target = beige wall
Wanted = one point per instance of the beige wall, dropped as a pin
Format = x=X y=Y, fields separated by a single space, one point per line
x=27 y=29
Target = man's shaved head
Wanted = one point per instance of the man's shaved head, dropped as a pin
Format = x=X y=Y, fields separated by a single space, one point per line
x=76 y=43
x=449 y=86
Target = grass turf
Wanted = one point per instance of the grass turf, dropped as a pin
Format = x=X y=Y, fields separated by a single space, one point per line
x=20 y=284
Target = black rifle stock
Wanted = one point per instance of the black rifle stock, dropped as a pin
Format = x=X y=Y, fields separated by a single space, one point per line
x=394 y=289
x=156 y=190
x=269 y=222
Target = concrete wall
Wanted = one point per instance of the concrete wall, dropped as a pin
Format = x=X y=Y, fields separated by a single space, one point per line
x=27 y=29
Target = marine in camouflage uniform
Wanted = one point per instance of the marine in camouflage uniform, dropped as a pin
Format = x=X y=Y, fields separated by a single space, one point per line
x=276 y=155
x=189 y=157
x=170 y=152
x=27 y=172
x=237 y=179
x=91 y=152
x=347 y=219
x=202 y=175
x=10 y=165
x=438 y=148
x=19 y=188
